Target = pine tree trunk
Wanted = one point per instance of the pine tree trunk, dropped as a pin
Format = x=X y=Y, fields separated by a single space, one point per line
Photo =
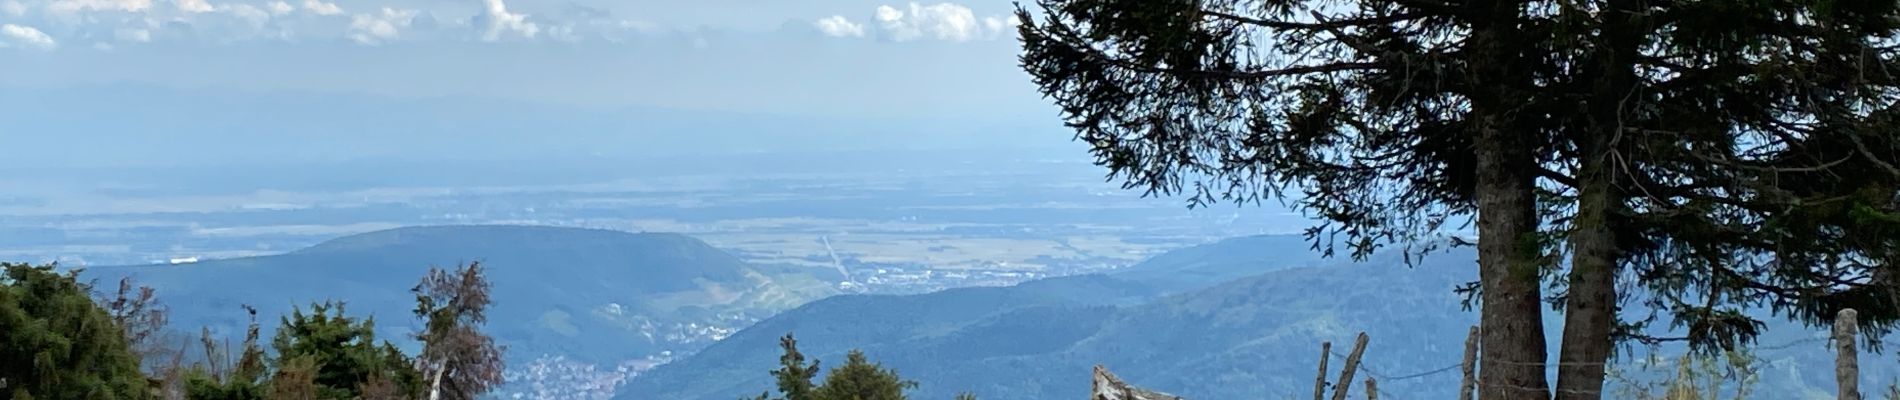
x=1590 y=306
x=1511 y=350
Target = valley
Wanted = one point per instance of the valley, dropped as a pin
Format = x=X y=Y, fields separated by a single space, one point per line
x=999 y=221
x=582 y=331
x=675 y=287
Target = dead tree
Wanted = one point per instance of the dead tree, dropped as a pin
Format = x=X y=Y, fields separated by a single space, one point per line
x=1108 y=387
x=1846 y=357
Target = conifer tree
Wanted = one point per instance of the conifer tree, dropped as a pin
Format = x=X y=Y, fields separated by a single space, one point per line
x=342 y=353
x=57 y=343
x=861 y=379
x=1727 y=154
x=858 y=379
x=794 y=376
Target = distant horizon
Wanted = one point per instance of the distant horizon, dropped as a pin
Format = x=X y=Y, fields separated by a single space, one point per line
x=150 y=126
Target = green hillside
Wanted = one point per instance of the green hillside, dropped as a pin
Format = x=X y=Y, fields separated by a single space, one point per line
x=1253 y=337
x=1206 y=265
x=591 y=295
x=971 y=338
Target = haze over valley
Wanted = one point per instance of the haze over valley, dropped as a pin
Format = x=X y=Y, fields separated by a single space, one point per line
x=963 y=199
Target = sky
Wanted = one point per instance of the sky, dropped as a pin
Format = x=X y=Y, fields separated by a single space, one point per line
x=840 y=57
x=881 y=67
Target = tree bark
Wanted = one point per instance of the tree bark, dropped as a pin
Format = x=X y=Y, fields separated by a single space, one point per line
x=1590 y=305
x=1466 y=388
x=435 y=382
x=1512 y=349
x=1352 y=365
x=1109 y=387
x=1319 y=384
x=1846 y=356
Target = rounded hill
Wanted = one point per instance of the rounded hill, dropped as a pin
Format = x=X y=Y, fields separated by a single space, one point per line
x=589 y=294
x=660 y=261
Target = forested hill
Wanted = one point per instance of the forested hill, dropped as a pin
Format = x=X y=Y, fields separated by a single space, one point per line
x=1252 y=337
x=594 y=295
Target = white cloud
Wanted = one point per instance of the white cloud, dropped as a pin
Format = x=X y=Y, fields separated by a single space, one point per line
x=134 y=35
x=27 y=36
x=893 y=22
x=249 y=13
x=378 y=29
x=243 y=20
x=838 y=26
x=102 y=46
x=321 y=8
x=74 y=6
x=195 y=6
x=941 y=21
x=1001 y=26
x=501 y=22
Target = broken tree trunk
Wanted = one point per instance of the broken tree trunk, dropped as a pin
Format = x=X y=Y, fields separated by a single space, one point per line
x=1846 y=356
x=1108 y=387
x=435 y=383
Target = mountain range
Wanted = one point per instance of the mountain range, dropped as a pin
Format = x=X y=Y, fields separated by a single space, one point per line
x=1243 y=318
x=596 y=297
x=1240 y=318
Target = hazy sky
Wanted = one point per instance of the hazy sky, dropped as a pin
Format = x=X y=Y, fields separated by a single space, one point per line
x=832 y=57
x=118 y=81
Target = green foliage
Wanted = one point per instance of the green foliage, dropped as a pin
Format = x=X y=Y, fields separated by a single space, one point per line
x=321 y=355
x=860 y=379
x=202 y=385
x=857 y=379
x=1728 y=154
x=57 y=343
x=793 y=374
x=343 y=351
x=296 y=379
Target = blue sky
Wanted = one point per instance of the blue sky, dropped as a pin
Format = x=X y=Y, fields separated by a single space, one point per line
x=881 y=66
x=845 y=57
